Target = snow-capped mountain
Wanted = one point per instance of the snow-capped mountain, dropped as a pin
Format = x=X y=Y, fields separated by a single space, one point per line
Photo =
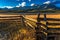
x=45 y=6
x=34 y=7
x=48 y=6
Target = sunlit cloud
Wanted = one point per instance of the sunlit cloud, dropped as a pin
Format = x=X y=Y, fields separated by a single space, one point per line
x=22 y=4
x=32 y=4
x=18 y=5
x=9 y=7
x=47 y=2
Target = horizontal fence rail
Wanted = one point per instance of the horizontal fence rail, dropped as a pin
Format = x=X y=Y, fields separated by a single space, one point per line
x=46 y=25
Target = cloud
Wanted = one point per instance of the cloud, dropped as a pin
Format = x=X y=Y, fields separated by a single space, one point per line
x=32 y=4
x=29 y=0
x=9 y=7
x=18 y=5
x=47 y=2
x=22 y=4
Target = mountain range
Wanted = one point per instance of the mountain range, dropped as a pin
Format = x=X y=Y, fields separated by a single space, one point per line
x=49 y=6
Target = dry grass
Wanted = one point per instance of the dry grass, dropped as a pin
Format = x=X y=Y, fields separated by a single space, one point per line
x=56 y=16
x=26 y=33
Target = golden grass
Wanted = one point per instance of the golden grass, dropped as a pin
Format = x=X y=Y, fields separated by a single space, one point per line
x=56 y=16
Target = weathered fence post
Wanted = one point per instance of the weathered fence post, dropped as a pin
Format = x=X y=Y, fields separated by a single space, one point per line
x=38 y=33
x=39 y=30
x=22 y=20
x=45 y=19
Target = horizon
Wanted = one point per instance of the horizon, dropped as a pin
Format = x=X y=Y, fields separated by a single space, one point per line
x=18 y=3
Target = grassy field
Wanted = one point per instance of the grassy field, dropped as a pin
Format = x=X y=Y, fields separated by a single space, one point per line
x=12 y=27
x=17 y=31
x=53 y=16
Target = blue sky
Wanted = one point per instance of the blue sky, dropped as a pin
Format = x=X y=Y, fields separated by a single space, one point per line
x=17 y=3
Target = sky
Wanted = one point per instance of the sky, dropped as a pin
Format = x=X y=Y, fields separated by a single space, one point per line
x=18 y=3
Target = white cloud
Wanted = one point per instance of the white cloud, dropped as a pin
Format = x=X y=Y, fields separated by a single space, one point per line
x=18 y=5
x=47 y=2
x=7 y=7
x=32 y=4
x=23 y=4
x=29 y=0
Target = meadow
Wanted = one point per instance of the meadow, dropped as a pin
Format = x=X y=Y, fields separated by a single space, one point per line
x=12 y=25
